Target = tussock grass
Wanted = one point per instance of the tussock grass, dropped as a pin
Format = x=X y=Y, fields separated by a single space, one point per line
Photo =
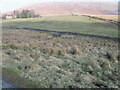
x=54 y=62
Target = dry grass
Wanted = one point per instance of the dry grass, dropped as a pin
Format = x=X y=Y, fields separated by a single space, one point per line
x=111 y=17
x=64 y=61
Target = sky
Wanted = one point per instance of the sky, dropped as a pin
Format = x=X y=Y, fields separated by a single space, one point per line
x=7 y=5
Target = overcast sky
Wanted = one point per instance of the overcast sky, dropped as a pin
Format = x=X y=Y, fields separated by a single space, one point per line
x=7 y=5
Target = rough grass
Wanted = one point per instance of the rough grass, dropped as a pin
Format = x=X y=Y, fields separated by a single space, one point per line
x=13 y=75
x=77 y=24
x=111 y=17
x=59 y=62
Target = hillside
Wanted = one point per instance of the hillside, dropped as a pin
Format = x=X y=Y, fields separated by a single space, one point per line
x=42 y=60
x=68 y=8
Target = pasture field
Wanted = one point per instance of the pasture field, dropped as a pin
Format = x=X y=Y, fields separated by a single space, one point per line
x=77 y=24
x=37 y=59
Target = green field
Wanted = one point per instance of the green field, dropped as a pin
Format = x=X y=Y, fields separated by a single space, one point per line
x=77 y=24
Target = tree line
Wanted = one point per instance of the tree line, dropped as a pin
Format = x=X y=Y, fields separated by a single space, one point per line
x=23 y=14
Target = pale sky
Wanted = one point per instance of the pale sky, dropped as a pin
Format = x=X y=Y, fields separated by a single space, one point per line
x=7 y=5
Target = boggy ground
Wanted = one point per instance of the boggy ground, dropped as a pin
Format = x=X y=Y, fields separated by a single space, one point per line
x=53 y=60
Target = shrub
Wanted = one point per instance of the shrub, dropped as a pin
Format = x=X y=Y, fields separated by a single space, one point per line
x=19 y=67
x=33 y=47
x=108 y=56
x=72 y=51
x=65 y=65
x=106 y=64
x=18 y=58
x=59 y=52
x=35 y=55
x=55 y=34
x=118 y=57
x=4 y=47
x=12 y=46
x=49 y=51
x=43 y=50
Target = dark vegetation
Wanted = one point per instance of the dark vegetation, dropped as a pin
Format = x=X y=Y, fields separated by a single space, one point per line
x=22 y=14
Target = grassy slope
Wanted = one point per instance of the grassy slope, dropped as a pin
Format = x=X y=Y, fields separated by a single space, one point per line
x=64 y=61
x=13 y=75
x=78 y=24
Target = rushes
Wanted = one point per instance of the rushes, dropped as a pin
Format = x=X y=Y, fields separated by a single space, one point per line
x=65 y=61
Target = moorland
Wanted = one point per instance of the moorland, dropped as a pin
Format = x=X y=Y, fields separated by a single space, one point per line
x=53 y=60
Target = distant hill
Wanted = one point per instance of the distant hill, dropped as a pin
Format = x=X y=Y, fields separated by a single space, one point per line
x=68 y=8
